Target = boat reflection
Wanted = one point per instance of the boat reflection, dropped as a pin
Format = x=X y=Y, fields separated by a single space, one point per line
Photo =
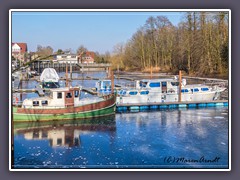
x=64 y=133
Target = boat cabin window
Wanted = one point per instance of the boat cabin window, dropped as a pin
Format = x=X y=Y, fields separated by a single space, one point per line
x=122 y=92
x=106 y=84
x=59 y=95
x=35 y=103
x=59 y=141
x=144 y=92
x=143 y=84
x=184 y=90
x=195 y=90
x=51 y=85
x=204 y=89
x=175 y=83
x=164 y=84
x=44 y=103
x=154 y=84
x=35 y=134
x=133 y=92
x=68 y=95
x=76 y=93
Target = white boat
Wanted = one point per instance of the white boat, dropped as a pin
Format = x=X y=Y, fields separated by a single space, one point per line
x=49 y=78
x=64 y=103
x=167 y=90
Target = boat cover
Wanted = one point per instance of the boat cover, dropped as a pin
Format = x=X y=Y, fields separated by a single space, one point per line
x=49 y=75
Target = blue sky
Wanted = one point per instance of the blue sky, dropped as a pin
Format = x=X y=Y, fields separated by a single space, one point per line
x=97 y=31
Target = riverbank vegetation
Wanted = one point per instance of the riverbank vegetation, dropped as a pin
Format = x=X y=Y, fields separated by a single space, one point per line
x=198 y=45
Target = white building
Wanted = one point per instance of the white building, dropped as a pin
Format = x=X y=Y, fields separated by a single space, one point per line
x=19 y=51
x=67 y=58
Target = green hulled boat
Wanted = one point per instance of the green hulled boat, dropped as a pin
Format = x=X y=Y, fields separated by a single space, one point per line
x=64 y=103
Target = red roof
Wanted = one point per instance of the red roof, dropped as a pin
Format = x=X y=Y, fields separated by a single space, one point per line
x=23 y=46
x=90 y=53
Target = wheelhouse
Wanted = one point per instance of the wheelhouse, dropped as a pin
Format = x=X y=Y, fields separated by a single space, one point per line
x=103 y=86
x=61 y=97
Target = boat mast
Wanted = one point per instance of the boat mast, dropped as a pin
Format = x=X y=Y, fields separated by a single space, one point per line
x=66 y=74
x=180 y=86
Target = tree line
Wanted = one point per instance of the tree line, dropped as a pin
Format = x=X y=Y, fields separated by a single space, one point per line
x=198 y=45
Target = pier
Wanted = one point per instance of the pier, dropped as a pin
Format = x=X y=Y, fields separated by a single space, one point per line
x=78 y=67
x=170 y=105
x=90 y=91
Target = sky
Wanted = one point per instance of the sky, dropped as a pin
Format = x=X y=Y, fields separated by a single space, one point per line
x=97 y=31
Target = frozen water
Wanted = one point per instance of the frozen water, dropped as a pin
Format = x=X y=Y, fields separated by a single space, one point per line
x=141 y=139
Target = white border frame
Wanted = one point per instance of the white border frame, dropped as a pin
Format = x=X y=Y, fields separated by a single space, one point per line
x=116 y=10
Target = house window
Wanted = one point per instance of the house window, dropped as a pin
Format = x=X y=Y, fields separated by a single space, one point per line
x=44 y=103
x=69 y=95
x=59 y=95
x=35 y=103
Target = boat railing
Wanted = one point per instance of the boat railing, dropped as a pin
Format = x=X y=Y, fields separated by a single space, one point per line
x=17 y=103
x=42 y=107
x=126 y=85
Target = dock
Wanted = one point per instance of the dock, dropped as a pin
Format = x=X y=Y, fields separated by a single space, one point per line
x=16 y=83
x=79 y=67
x=39 y=90
x=90 y=91
x=170 y=105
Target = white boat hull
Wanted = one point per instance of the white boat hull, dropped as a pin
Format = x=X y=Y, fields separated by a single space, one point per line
x=169 y=97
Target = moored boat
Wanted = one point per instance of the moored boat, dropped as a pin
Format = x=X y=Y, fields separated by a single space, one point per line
x=49 y=78
x=167 y=90
x=64 y=103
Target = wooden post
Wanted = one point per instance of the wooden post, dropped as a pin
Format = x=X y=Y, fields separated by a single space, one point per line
x=180 y=86
x=109 y=72
x=112 y=82
x=151 y=72
x=66 y=74
x=82 y=69
x=38 y=67
x=118 y=71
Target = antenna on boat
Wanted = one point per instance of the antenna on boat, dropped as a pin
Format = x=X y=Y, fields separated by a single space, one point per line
x=66 y=74
x=180 y=86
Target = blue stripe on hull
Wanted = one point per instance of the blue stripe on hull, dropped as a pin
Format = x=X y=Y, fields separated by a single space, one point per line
x=154 y=107
x=163 y=106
